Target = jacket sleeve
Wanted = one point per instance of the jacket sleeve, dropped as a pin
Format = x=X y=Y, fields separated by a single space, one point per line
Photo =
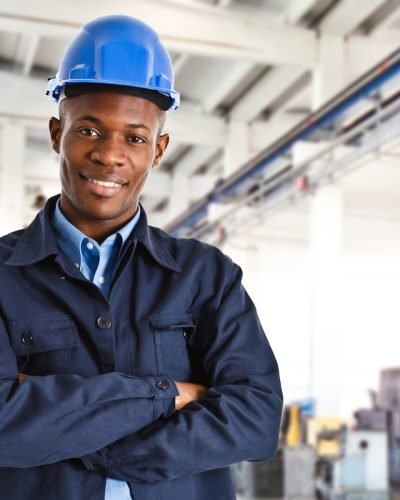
x=56 y=417
x=238 y=419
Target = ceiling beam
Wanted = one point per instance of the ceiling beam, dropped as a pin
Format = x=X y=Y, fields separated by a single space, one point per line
x=364 y=52
x=265 y=92
x=264 y=133
x=189 y=128
x=384 y=19
x=193 y=159
x=226 y=85
x=192 y=28
x=24 y=98
x=224 y=3
x=27 y=48
x=180 y=63
x=347 y=16
x=296 y=10
x=30 y=54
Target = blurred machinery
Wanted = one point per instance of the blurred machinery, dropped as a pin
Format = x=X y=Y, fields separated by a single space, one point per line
x=389 y=400
x=329 y=458
x=291 y=474
x=362 y=472
x=352 y=462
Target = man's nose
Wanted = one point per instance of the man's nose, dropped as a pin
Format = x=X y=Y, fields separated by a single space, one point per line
x=108 y=152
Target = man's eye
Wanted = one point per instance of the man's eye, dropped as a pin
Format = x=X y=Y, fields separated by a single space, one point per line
x=88 y=132
x=135 y=139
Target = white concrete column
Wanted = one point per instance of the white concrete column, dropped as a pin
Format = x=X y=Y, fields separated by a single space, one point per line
x=180 y=195
x=215 y=212
x=330 y=73
x=12 y=202
x=237 y=149
x=326 y=219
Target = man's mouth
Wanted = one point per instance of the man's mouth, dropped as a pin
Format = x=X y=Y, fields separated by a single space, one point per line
x=104 y=188
x=105 y=183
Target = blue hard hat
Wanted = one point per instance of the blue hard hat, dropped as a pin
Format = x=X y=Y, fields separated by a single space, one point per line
x=116 y=50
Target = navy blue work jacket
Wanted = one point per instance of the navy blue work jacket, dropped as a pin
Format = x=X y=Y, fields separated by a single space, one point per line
x=99 y=399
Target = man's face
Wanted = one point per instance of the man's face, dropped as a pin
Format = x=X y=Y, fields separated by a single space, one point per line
x=107 y=144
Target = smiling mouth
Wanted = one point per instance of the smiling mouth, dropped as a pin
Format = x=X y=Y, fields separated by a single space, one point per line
x=105 y=183
x=102 y=188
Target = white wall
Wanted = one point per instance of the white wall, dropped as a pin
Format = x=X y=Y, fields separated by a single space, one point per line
x=277 y=274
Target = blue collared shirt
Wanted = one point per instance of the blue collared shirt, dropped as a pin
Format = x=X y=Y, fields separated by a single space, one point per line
x=98 y=264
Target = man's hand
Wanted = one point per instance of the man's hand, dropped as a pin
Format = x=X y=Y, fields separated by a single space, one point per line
x=22 y=377
x=188 y=393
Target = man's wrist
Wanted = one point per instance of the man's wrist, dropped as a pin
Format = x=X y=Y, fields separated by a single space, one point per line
x=165 y=392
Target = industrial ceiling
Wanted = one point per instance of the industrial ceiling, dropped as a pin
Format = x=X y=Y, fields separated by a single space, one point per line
x=246 y=70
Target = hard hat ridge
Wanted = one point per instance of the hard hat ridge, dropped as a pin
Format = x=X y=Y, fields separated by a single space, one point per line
x=120 y=51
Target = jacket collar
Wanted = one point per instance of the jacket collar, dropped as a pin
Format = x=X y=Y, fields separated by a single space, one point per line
x=38 y=241
x=147 y=236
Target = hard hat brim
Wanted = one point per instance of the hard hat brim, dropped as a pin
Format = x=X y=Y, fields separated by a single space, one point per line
x=161 y=100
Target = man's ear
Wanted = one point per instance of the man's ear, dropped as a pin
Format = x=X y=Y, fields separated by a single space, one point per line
x=55 y=133
x=161 y=146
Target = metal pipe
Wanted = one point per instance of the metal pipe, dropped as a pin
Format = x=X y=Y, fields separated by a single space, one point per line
x=279 y=198
x=325 y=115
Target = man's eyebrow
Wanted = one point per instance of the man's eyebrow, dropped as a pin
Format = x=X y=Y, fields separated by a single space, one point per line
x=139 y=125
x=93 y=119
x=88 y=118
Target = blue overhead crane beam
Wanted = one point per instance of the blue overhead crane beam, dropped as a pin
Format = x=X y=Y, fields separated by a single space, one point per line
x=322 y=117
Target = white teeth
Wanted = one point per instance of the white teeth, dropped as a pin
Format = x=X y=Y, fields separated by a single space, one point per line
x=104 y=183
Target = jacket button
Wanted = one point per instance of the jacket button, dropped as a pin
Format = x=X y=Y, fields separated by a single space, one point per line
x=162 y=384
x=26 y=338
x=103 y=322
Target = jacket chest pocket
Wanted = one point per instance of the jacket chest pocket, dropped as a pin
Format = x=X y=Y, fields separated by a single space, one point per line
x=172 y=336
x=43 y=344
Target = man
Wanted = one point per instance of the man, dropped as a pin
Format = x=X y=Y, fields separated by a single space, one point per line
x=132 y=364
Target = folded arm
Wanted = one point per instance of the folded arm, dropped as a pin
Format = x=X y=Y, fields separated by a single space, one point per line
x=51 y=418
x=238 y=419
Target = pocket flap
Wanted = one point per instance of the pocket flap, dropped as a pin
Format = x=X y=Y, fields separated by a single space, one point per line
x=43 y=333
x=172 y=323
x=169 y=325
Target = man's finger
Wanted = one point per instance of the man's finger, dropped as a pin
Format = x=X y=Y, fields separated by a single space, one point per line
x=22 y=377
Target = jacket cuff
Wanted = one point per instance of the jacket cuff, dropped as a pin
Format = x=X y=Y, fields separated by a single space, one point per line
x=165 y=391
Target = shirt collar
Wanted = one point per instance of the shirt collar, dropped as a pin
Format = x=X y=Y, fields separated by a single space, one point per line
x=70 y=238
x=38 y=241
